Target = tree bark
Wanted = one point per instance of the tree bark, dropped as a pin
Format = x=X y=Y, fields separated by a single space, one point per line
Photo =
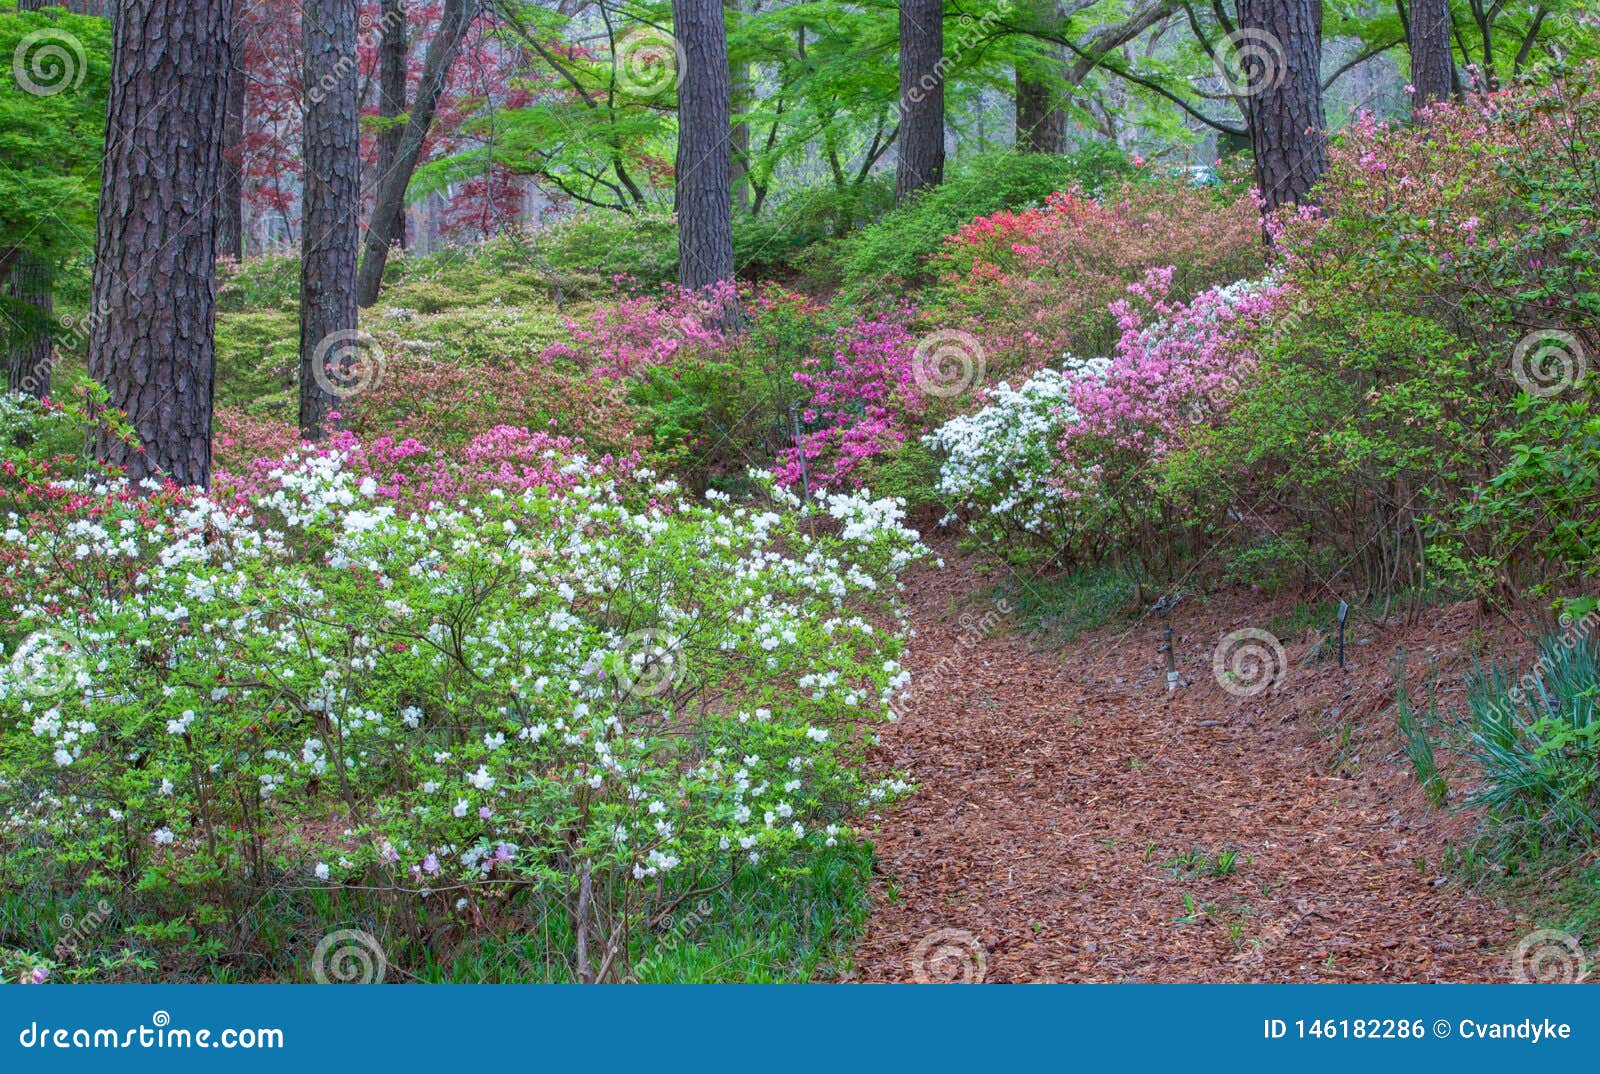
x=1041 y=124
x=230 y=214
x=154 y=292
x=705 y=216
x=330 y=216
x=921 y=136
x=28 y=367
x=1281 y=83
x=394 y=54
x=388 y=207
x=739 y=91
x=1433 y=67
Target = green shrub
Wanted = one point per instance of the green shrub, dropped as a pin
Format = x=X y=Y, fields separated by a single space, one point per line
x=426 y=719
x=897 y=245
x=1536 y=740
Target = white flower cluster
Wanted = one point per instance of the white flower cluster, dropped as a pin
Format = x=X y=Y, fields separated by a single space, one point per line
x=482 y=686
x=1000 y=462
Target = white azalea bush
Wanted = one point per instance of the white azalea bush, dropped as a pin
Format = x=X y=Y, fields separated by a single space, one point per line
x=1000 y=470
x=604 y=694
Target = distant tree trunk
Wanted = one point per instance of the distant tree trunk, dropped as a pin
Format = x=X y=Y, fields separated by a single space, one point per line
x=1433 y=67
x=705 y=217
x=921 y=137
x=739 y=101
x=389 y=204
x=330 y=217
x=28 y=368
x=1282 y=91
x=394 y=53
x=1041 y=123
x=230 y=214
x=154 y=294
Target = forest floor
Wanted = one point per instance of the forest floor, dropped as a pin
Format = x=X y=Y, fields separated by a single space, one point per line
x=1074 y=822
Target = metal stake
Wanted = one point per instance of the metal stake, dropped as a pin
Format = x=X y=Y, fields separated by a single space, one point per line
x=1163 y=609
x=1344 y=613
x=800 y=453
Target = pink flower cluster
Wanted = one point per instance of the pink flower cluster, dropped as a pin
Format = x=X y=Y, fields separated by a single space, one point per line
x=1176 y=364
x=641 y=331
x=860 y=398
x=409 y=472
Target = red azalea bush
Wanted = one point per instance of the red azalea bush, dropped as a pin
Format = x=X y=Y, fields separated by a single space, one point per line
x=1038 y=283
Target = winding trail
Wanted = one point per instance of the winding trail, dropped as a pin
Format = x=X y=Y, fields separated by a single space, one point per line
x=1056 y=788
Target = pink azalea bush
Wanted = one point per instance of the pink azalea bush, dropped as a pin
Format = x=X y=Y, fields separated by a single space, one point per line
x=1074 y=457
x=860 y=401
x=415 y=475
x=641 y=331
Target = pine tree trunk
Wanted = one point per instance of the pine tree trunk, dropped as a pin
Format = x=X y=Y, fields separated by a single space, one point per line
x=739 y=92
x=1041 y=124
x=921 y=138
x=389 y=204
x=394 y=53
x=705 y=216
x=1282 y=88
x=330 y=217
x=28 y=367
x=1433 y=69
x=154 y=294
x=230 y=213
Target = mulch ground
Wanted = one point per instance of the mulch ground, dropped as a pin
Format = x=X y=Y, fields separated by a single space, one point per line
x=1058 y=784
